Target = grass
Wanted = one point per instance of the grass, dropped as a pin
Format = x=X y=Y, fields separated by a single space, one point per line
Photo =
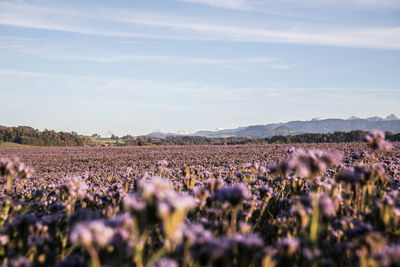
x=11 y=144
x=99 y=140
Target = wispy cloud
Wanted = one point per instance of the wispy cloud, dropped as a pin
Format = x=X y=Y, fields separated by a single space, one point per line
x=58 y=52
x=230 y=4
x=9 y=72
x=118 y=58
x=251 y=5
x=388 y=38
x=206 y=91
x=353 y=3
x=193 y=29
x=124 y=86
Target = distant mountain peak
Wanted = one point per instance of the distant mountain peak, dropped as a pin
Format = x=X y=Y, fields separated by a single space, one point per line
x=375 y=118
x=391 y=117
x=391 y=124
x=354 y=118
x=183 y=132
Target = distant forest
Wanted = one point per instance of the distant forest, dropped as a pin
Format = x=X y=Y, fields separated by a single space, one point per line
x=29 y=136
x=336 y=137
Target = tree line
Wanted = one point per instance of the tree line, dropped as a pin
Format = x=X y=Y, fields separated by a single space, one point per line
x=29 y=136
x=336 y=137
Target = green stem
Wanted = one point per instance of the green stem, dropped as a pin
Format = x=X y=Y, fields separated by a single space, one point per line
x=314 y=221
x=95 y=262
x=139 y=248
x=232 y=228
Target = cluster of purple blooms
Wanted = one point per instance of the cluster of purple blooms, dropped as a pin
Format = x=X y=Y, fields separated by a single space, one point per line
x=308 y=163
x=234 y=194
x=376 y=140
x=256 y=205
x=14 y=167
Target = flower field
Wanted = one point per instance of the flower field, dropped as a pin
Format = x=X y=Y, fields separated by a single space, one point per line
x=245 y=205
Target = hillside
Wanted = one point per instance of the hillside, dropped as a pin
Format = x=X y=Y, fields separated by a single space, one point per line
x=390 y=124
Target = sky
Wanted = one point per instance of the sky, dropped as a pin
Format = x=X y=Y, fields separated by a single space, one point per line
x=133 y=67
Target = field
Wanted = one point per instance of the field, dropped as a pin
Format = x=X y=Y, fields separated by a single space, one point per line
x=104 y=140
x=10 y=144
x=246 y=205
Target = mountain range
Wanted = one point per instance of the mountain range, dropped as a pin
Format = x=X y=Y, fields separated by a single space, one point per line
x=391 y=124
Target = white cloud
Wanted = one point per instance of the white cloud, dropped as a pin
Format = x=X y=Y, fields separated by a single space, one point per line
x=101 y=84
x=59 y=52
x=230 y=4
x=116 y=58
x=211 y=91
x=255 y=5
x=351 y=3
x=8 y=72
x=370 y=37
x=175 y=27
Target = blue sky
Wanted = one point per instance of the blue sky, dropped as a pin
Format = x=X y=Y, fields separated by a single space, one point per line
x=132 y=67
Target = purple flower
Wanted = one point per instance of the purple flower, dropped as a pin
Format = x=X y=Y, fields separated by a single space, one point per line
x=4 y=240
x=133 y=203
x=290 y=149
x=201 y=194
x=233 y=194
x=250 y=242
x=77 y=188
x=288 y=246
x=19 y=261
x=361 y=173
x=165 y=262
x=74 y=260
x=93 y=233
x=162 y=163
x=155 y=187
x=309 y=163
x=326 y=205
x=11 y=167
x=388 y=256
x=376 y=140
x=363 y=155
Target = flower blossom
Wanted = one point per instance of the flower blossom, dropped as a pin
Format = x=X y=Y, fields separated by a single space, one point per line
x=376 y=140
x=92 y=233
x=77 y=187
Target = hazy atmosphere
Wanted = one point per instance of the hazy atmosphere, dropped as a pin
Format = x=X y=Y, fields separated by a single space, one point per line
x=191 y=133
x=132 y=67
